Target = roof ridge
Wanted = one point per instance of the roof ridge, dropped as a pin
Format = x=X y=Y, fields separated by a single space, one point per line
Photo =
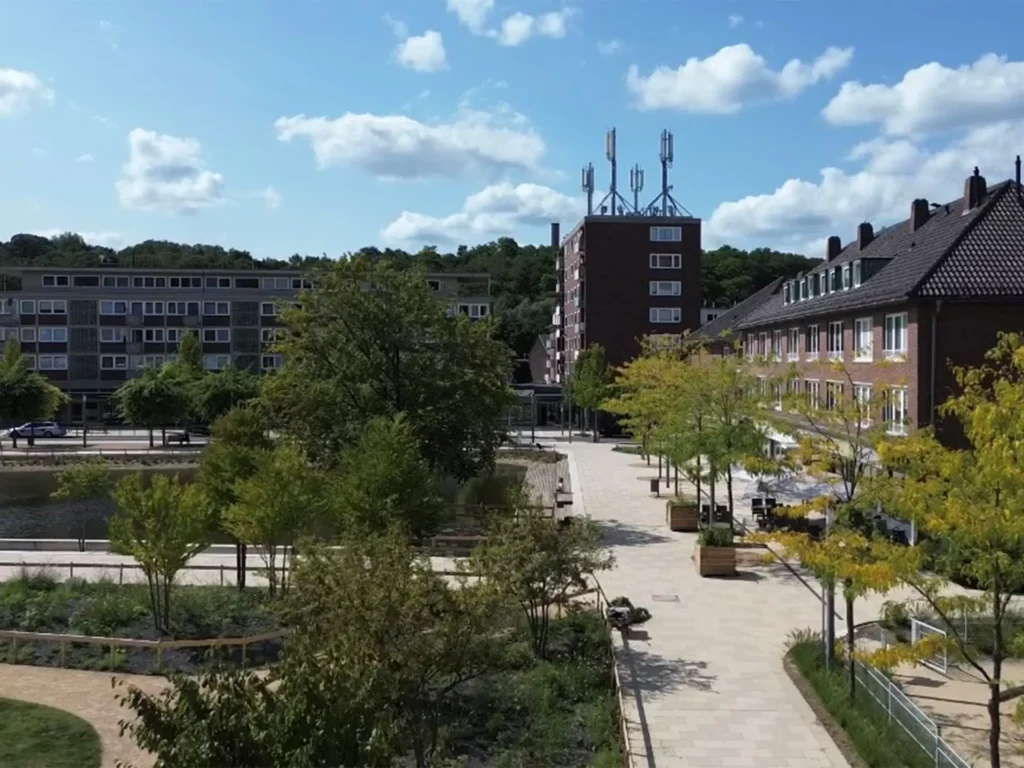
x=986 y=208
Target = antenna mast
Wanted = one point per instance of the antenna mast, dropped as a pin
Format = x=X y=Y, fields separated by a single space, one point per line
x=587 y=184
x=664 y=204
x=636 y=185
x=609 y=152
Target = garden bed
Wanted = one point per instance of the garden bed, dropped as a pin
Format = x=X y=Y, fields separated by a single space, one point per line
x=37 y=603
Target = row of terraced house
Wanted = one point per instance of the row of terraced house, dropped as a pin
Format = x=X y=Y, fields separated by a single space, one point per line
x=897 y=307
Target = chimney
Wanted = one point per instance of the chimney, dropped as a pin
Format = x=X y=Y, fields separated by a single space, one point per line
x=835 y=245
x=974 y=190
x=556 y=235
x=919 y=212
x=865 y=234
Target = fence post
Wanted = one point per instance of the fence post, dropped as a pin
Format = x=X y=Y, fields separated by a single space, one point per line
x=222 y=574
x=62 y=648
x=120 y=575
x=159 y=654
x=71 y=571
x=113 y=665
x=243 y=655
x=889 y=690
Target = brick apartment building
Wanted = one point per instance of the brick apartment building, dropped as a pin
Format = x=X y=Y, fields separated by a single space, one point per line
x=90 y=329
x=931 y=291
x=621 y=278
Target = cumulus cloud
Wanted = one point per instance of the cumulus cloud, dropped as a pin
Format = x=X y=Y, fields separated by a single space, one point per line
x=800 y=213
x=609 y=47
x=495 y=211
x=271 y=198
x=520 y=27
x=735 y=20
x=728 y=80
x=933 y=97
x=167 y=173
x=86 y=158
x=472 y=13
x=20 y=91
x=400 y=147
x=105 y=239
x=422 y=53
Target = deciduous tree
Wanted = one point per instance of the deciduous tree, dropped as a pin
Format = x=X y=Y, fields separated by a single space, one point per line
x=214 y=394
x=591 y=382
x=24 y=394
x=155 y=398
x=83 y=481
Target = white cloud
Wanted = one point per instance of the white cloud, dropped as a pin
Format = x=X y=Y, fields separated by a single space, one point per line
x=497 y=210
x=106 y=239
x=39 y=152
x=735 y=20
x=472 y=13
x=400 y=147
x=727 y=80
x=520 y=27
x=399 y=28
x=20 y=91
x=109 y=33
x=609 y=47
x=86 y=158
x=422 y=53
x=106 y=121
x=167 y=173
x=933 y=97
x=271 y=198
x=799 y=214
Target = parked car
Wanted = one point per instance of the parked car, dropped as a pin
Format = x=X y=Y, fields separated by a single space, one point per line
x=38 y=429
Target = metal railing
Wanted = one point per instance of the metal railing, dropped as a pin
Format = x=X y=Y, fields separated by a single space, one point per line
x=602 y=605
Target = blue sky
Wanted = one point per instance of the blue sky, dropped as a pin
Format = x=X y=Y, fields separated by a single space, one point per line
x=324 y=126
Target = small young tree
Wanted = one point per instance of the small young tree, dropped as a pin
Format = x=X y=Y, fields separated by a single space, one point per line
x=278 y=504
x=84 y=481
x=190 y=355
x=155 y=398
x=162 y=527
x=591 y=382
x=24 y=394
x=536 y=563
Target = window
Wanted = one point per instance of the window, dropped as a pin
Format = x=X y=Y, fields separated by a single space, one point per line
x=56 y=281
x=116 y=281
x=28 y=334
x=217 y=335
x=835 y=340
x=833 y=280
x=666 y=234
x=185 y=282
x=277 y=283
x=811 y=342
x=434 y=285
x=154 y=335
x=751 y=351
x=30 y=361
x=846 y=277
x=136 y=308
x=218 y=283
x=216 y=362
x=856 y=274
x=666 y=261
x=811 y=392
x=177 y=308
x=822 y=283
x=114 y=362
x=666 y=314
x=86 y=281
x=247 y=282
x=896 y=411
x=270 y=335
x=666 y=288
x=896 y=335
x=862 y=340
x=55 y=307
x=270 y=362
x=8 y=306
x=833 y=395
x=473 y=310
x=53 y=335
x=28 y=307
x=776 y=345
x=149 y=281
x=269 y=309
x=113 y=307
x=793 y=344
x=862 y=399
x=216 y=308
x=785 y=294
x=762 y=345
x=802 y=289
x=53 y=362
x=153 y=308
x=113 y=335
x=174 y=335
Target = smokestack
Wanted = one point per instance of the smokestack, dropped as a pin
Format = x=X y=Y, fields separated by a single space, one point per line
x=835 y=245
x=556 y=238
x=919 y=213
x=975 y=190
x=865 y=234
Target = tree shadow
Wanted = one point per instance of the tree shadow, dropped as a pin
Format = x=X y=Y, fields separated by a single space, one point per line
x=654 y=674
x=618 y=534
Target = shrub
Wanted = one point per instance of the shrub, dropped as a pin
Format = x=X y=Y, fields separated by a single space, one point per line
x=715 y=536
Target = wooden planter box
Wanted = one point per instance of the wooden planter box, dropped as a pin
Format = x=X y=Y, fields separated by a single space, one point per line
x=715 y=561
x=682 y=515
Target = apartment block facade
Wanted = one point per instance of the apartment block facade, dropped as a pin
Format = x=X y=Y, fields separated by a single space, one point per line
x=90 y=329
x=897 y=308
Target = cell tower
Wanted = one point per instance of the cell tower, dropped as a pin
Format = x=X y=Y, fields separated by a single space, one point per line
x=664 y=204
x=587 y=184
x=613 y=203
x=636 y=185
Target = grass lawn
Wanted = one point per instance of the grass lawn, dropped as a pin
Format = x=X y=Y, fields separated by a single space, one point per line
x=879 y=744
x=34 y=736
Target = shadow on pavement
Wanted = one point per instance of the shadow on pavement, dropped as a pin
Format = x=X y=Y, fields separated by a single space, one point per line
x=618 y=534
x=657 y=674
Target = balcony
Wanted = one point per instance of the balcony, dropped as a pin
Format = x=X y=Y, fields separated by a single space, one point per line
x=133 y=320
x=8 y=320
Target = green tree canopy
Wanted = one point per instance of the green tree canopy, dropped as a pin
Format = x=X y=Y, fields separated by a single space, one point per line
x=214 y=394
x=24 y=394
x=156 y=397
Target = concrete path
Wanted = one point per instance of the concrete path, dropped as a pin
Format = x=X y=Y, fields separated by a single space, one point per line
x=703 y=680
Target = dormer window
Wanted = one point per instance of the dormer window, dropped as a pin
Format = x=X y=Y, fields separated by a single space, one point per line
x=846 y=277
x=822 y=283
x=803 y=290
x=785 y=294
x=833 y=280
x=856 y=274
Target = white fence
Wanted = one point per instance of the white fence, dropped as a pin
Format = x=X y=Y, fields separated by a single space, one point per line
x=940 y=660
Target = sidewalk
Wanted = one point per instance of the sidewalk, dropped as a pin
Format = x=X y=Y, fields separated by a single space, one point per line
x=703 y=681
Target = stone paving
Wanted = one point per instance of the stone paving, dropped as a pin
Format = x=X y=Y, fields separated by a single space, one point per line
x=702 y=681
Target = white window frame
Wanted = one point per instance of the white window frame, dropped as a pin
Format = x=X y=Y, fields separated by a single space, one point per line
x=216 y=362
x=666 y=288
x=897 y=410
x=276 y=362
x=863 y=353
x=675 y=261
x=57 y=334
x=28 y=334
x=110 y=307
x=217 y=283
x=270 y=335
x=762 y=344
x=793 y=344
x=269 y=309
x=847 y=278
x=173 y=308
x=30 y=309
x=657 y=315
x=857 y=271
x=751 y=348
x=153 y=336
x=277 y=283
x=55 y=307
x=776 y=345
x=666 y=234
x=813 y=342
x=812 y=391
x=52 y=362
x=187 y=282
x=153 y=308
x=113 y=362
x=216 y=334
x=114 y=331
x=56 y=281
x=895 y=336
x=174 y=335
x=862 y=393
x=834 y=391
x=834 y=341
x=217 y=305
x=116 y=281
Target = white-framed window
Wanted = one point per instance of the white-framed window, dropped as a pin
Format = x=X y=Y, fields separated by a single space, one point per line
x=863 y=340
x=113 y=307
x=53 y=335
x=56 y=281
x=53 y=307
x=216 y=335
x=177 y=308
x=666 y=261
x=154 y=335
x=277 y=283
x=856 y=273
x=27 y=334
x=216 y=362
x=153 y=308
x=822 y=283
x=53 y=362
x=115 y=281
x=114 y=362
x=665 y=314
x=271 y=362
x=174 y=335
x=833 y=395
x=269 y=309
x=8 y=306
x=218 y=283
x=474 y=311
x=185 y=282
x=811 y=392
x=862 y=399
x=835 y=340
x=751 y=349
x=847 y=283
x=811 y=342
x=135 y=308
x=776 y=345
x=113 y=335
x=270 y=335
x=793 y=344
x=28 y=307
x=666 y=234
x=216 y=308
x=666 y=288
x=762 y=345
x=149 y=281
x=785 y=293
x=896 y=411
x=896 y=335
x=150 y=361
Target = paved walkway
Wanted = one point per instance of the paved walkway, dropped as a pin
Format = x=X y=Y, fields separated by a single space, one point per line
x=703 y=679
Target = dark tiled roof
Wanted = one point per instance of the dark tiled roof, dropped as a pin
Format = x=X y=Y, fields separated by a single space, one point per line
x=919 y=256
x=726 y=321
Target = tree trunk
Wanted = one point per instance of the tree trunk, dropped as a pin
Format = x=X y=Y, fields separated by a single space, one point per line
x=163 y=437
x=150 y=437
x=728 y=489
x=240 y=563
x=593 y=423
x=698 y=482
x=850 y=644
x=994 y=725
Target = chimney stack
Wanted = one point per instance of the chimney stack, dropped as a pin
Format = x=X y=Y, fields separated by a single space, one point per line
x=974 y=190
x=919 y=212
x=835 y=245
x=1017 y=165
x=865 y=234
x=556 y=235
